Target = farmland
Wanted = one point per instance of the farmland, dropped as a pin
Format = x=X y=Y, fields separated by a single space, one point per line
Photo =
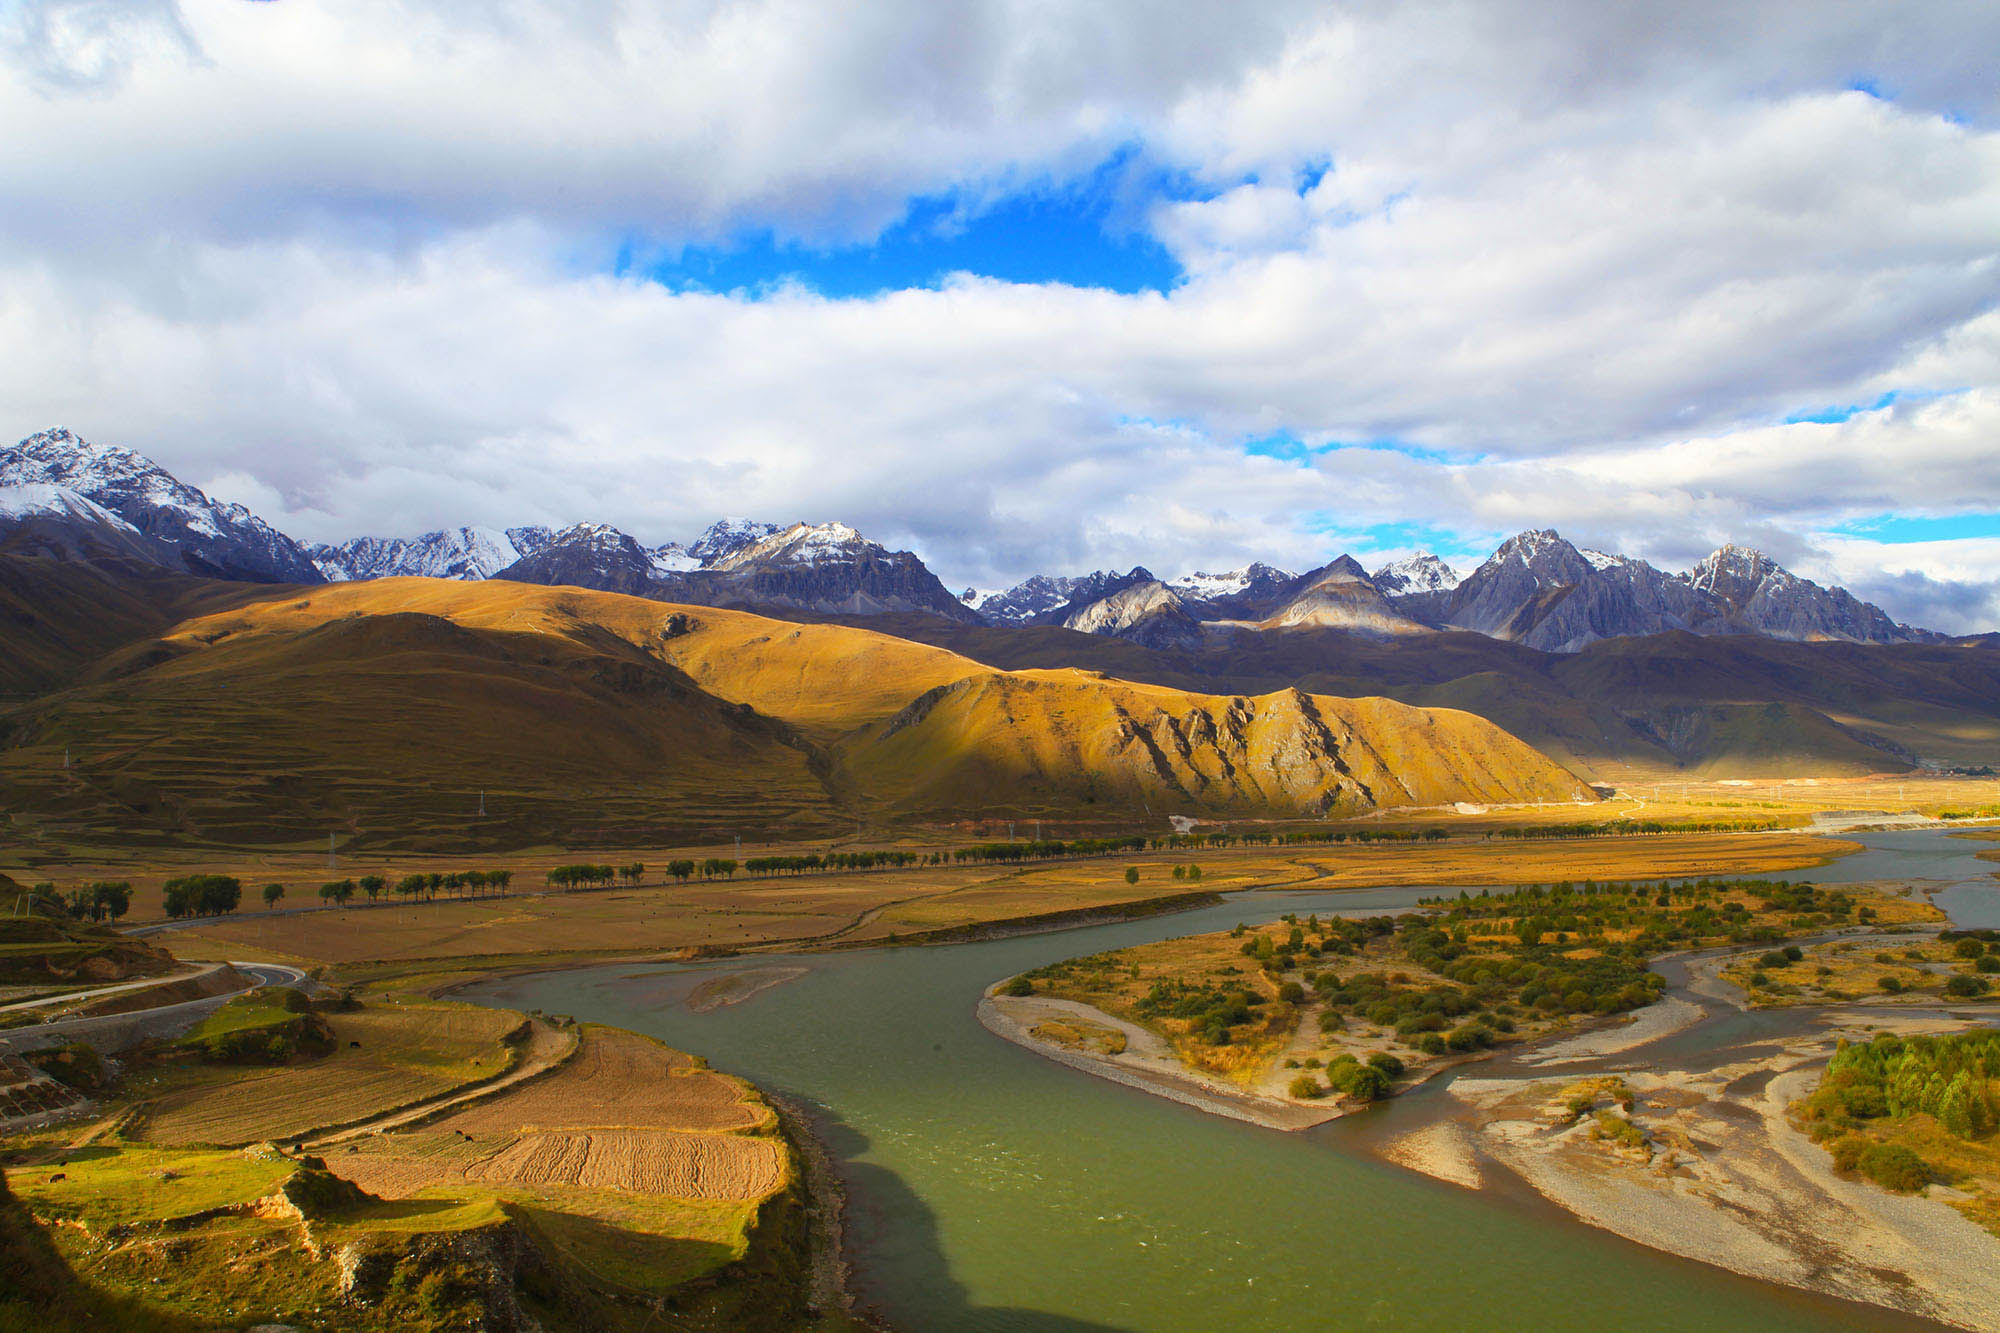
x=386 y=1055
x=632 y=1168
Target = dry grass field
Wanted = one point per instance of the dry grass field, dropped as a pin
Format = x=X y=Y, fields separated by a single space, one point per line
x=387 y=1055
x=807 y=909
x=799 y=910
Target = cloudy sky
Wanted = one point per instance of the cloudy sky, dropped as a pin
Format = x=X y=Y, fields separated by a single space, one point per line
x=1028 y=285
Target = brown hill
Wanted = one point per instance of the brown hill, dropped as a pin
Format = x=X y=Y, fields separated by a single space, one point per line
x=385 y=709
x=1668 y=703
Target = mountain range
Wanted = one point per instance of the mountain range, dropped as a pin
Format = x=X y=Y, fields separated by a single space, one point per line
x=62 y=495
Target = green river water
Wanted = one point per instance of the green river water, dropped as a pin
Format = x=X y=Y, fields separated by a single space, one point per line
x=990 y=1189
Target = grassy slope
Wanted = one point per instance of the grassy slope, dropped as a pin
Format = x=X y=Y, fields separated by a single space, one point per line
x=591 y=717
x=1621 y=703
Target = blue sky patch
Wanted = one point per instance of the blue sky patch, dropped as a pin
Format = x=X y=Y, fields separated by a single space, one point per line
x=1084 y=233
x=1900 y=528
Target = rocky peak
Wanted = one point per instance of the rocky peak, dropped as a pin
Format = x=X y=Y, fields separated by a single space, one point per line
x=726 y=537
x=1419 y=573
x=211 y=537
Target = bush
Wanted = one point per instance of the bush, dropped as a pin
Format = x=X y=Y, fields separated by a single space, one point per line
x=1892 y=984
x=1965 y=986
x=1895 y=1167
x=1986 y=963
x=1430 y=1044
x=1774 y=958
x=1018 y=987
x=1292 y=993
x=1306 y=1088
x=1387 y=1063
x=1793 y=953
x=1968 y=948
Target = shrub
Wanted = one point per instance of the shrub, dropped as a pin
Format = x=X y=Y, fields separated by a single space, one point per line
x=1968 y=948
x=1986 y=963
x=1773 y=959
x=1305 y=1087
x=1793 y=953
x=1387 y=1063
x=1018 y=986
x=1965 y=985
x=1892 y=984
x=1895 y=1167
x=1292 y=993
x=1430 y=1044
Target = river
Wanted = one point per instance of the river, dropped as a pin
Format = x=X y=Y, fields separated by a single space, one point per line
x=990 y=1189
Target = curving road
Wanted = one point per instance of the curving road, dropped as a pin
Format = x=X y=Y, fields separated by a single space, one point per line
x=114 y=1032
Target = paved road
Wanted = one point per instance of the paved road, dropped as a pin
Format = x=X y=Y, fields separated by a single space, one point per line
x=110 y=1033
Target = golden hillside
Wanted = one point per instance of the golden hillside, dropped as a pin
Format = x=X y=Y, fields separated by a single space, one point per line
x=384 y=709
x=1058 y=739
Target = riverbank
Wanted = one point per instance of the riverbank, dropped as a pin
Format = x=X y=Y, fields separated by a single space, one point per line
x=1143 y=1067
x=1707 y=1164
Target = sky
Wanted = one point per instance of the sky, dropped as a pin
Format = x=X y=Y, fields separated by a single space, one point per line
x=1030 y=286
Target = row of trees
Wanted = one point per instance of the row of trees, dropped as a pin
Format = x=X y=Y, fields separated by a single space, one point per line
x=100 y=900
x=202 y=895
x=459 y=883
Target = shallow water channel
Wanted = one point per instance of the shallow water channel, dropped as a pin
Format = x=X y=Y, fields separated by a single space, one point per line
x=990 y=1189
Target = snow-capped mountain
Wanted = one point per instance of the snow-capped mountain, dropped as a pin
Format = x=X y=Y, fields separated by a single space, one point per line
x=726 y=538
x=57 y=523
x=1249 y=593
x=1033 y=599
x=64 y=497
x=211 y=538
x=588 y=555
x=1419 y=573
x=1766 y=598
x=458 y=553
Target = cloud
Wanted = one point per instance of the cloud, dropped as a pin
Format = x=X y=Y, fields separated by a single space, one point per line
x=1576 y=261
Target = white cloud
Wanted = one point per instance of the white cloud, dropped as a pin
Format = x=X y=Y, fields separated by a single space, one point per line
x=343 y=255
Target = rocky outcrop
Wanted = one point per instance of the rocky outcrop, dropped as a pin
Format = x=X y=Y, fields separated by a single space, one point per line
x=1342 y=596
x=1762 y=597
x=1146 y=613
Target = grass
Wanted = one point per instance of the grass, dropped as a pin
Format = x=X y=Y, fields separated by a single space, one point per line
x=102 y=1186
x=1847 y=970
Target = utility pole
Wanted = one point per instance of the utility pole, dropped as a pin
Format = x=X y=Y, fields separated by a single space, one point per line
x=482 y=805
x=329 y=852
x=65 y=756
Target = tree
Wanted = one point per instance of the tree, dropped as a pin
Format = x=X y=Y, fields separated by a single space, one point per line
x=273 y=892
x=202 y=895
x=1131 y=874
x=633 y=873
x=338 y=892
x=372 y=885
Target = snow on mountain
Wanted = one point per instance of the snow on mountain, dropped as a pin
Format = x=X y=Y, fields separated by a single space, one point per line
x=213 y=538
x=56 y=523
x=1764 y=597
x=457 y=553
x=800 y=544
x=673 y=558
x=55 y=501
x=1200 y=587
x=726 y=537
x=1419 y=573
